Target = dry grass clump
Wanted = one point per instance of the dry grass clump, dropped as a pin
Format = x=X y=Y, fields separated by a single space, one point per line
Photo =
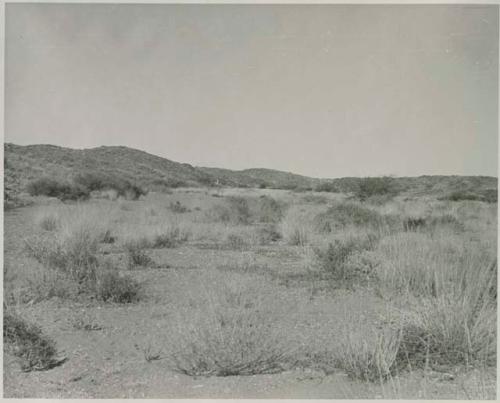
x=341 y=215
x=111 y=286
x=44 y=284
x=369 y=356
x=137 y=256
x=346 y=259
x=433 y=224
x=270 y=210
x=415 y=263
x=178 y=207
x=26 y=341
x=48 y=220
x=235 y=242
x=170 y=238
x=235 y=330
x=70 y=257
x=235 y=210
x=268 y=234
x=453 y=329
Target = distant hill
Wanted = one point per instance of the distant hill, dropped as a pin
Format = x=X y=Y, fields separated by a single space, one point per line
x=23 y=164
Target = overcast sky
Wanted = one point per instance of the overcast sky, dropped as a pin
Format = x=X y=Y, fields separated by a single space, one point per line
x=325 y=91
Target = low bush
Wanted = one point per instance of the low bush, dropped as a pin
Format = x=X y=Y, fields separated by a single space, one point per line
x=369 y=187
x=235 y=211
x=235 y=330
x=488 y=196
x=97 y=181
x=235 y=242
x=26 y=341
x=268 y=234
x=53 y=188
x=115 y=287
x=341 y=215
x=177 y=207
x=327 y=187
x=171 y=238
x=137 y=256
x=270 y=211
x=335 y=258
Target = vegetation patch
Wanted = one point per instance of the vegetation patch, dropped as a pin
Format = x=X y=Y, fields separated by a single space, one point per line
x=26 y=341
x=341 y=215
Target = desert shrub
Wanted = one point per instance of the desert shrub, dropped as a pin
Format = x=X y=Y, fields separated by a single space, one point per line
x=270 y=210
x=44 y=284
x=488 y=196
x=415 y=263
x=327 y=187
x=299 y=236
x=446 y=221
x=235 y=242
x=115 y=287
x=177 y=207
x=268 y=234
x=171 y=238
x=26 y=341
x=368 y=357
x=449 y=331
x=369 y=187
x=48 y=221
x=334 y=258
x=341 y=215
x=137 y=256
x=235 y=330
x=235 y=211
x=97 y=181
x=414 y=223
x=316 y=199
x=241 y=210
x=52 y=188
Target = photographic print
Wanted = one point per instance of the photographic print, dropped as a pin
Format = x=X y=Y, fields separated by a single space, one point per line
x=250 y=201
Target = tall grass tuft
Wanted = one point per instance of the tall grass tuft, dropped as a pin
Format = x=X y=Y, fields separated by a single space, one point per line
x=26 y=341
x=235 y=330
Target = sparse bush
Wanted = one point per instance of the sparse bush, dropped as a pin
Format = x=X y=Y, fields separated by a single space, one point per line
x=236 y=211
x=44 y=284
x=327 y=187
x=341 y=215
x=235 y=331
x=48 y=221
x=235 y=242
x=368 y=187
x=172 y=238
x=488 y=196
x=137 y=256
x=114 y=287
x=177 y=207
x=26 y=341
x=414 y=223
x=268 y=234
x=241 y=211
x=52 y=188
x=270 y=210
x=98 y=181
x=298 y=237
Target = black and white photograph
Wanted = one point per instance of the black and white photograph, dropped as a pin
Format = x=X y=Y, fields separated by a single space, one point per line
x=250 y=201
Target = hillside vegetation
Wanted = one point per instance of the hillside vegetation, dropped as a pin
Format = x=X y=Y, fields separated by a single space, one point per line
x=25 y=164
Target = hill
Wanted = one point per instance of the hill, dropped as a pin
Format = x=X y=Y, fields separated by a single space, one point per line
x=23 y=164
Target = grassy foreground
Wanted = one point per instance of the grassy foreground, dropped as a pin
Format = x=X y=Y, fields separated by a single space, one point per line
x=231 y=289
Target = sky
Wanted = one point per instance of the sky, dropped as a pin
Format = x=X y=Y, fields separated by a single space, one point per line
x=325 y=91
